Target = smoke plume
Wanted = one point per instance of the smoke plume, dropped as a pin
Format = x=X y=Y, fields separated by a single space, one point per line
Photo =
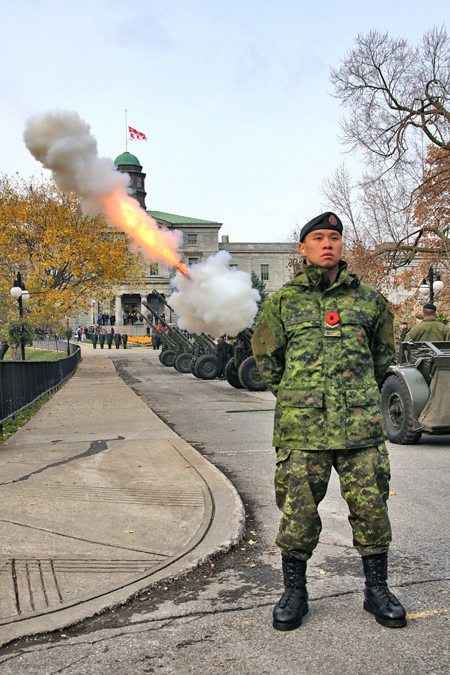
x=214 y=298
x=63 y=143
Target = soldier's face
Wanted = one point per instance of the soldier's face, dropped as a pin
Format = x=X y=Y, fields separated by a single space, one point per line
x=323 y=248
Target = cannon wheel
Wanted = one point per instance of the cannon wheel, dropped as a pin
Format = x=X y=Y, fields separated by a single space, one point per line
x=168 y=357
x=193 y=366
x=207 y=367
x=231 y=374
x=397 y=413
x=183 y=362
x=250 y=376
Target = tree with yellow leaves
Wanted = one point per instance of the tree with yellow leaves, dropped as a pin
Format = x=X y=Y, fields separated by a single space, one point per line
x=65 y=257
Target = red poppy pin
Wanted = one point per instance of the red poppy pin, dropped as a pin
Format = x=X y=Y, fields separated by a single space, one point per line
x=332 y=318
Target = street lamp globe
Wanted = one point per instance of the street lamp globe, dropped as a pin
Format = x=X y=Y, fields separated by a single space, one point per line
x=16 y=292
x=424 y=289
x=25 y=295
x=438 y=285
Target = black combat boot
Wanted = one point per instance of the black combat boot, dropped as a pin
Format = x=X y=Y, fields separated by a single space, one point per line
x=293 y=604
x=378 y=599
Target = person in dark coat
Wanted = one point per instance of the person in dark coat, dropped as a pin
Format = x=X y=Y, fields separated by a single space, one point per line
x=109 y=339
x=124 y=339
x=94 y=339
x=101 y=339
x=403 y=330
x=117 y=339
x=224 y=353
x=155 y=338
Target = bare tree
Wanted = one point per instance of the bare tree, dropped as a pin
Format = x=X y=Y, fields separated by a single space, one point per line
x=396 y=94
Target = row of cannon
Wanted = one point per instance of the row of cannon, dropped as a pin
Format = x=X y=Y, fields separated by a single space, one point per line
x=197 y=355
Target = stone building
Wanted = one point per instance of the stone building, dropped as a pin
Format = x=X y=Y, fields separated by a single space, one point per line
x=200 y=240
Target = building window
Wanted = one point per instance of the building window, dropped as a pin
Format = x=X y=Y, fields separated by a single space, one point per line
x=192 y=239
x=152 y=270
x=138 y=182
x=233 y=266
x=192 y=261
x=264 y=272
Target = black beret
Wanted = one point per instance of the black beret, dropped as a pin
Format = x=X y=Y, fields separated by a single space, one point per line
x=429 y=305
x=326 y=221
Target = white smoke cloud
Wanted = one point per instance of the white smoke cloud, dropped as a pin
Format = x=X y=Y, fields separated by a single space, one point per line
x=214 y=299
x=63 y=143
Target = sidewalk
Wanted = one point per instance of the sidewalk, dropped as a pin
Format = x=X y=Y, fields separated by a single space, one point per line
x=100 y=499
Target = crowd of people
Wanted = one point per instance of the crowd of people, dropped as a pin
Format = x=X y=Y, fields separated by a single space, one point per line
x=99 y=335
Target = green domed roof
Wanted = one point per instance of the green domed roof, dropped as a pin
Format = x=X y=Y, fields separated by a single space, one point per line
x=127 y=158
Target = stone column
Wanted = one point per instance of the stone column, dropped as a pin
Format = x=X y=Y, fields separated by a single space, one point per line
x=118 y=310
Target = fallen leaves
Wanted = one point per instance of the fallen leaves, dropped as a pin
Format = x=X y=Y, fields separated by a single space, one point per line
x=128 y=531
x=392 y=493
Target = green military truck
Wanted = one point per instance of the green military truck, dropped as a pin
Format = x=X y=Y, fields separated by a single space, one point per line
x=415 y=393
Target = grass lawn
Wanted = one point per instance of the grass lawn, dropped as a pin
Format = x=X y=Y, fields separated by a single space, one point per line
x=38 y=355
x=15 y=423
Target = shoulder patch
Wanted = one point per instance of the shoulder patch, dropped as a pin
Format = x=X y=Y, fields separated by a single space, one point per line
x=263 y=340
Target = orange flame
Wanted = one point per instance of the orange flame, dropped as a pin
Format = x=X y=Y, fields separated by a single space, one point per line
x=157 y=244
x=183 y=269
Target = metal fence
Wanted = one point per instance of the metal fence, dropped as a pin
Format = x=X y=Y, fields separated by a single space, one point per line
x=23 y=382
x=54 y=345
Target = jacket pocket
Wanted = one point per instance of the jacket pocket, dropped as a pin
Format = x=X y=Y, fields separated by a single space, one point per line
x=362 y=397
x=363 y=417
x=299 y=419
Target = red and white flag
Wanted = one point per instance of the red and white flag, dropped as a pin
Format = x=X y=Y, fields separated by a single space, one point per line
x=136 y=135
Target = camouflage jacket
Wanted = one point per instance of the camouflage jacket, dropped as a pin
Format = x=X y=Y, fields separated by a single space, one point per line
x=429 y=330
x=322 y=349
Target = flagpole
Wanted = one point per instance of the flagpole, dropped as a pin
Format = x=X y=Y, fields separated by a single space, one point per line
x=126 y=132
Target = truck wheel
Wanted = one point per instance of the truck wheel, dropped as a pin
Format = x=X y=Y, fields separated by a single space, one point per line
x=207 y=367
x=250 y=376
x=231 y=374
x=168 y=357
x=397 y=413
x=183 y=363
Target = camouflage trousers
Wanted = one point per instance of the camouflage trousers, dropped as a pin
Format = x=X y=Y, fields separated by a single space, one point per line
x=301 y=481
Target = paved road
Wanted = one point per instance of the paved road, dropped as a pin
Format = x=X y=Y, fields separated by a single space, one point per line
x=218 y=620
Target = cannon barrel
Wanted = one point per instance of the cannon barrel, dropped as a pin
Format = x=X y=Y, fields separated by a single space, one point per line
x=183 y=344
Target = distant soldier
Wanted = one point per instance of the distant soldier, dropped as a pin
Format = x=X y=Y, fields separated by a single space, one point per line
x=224 y=353
x=403 y=331
x=124 y=339
x=94 y=339
x=117 y=339
x=429 y=329
x=101 y=339
x=109 y=339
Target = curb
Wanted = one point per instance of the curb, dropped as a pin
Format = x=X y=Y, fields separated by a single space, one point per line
x=222 y=528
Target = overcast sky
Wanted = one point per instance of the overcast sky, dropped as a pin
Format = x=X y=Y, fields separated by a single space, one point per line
x=234 y=97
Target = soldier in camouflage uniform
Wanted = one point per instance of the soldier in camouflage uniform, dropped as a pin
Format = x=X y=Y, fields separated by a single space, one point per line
x=323 y=343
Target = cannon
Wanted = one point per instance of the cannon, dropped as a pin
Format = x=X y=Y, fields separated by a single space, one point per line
x=177 y=351
x=198 y=358
x=205 y=364
x=414 y=392
x=241 y=371
x=168 y=352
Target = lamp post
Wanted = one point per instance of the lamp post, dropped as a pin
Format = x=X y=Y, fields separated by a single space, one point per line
x=19 y=293
x=431 y=284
